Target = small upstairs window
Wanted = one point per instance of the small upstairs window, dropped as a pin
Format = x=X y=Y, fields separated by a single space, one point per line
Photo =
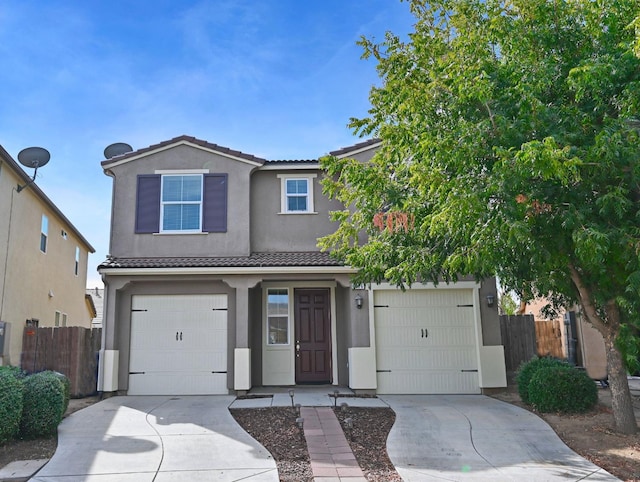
x=297 y=194
x=76 y=268
x=44 y=233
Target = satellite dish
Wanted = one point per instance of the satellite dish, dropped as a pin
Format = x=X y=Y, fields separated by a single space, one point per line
x=117 y=149
x=34 y=157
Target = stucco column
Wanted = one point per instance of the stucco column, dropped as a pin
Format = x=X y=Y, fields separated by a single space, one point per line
x=241 y=351
x=108 y=362
x=242 y=286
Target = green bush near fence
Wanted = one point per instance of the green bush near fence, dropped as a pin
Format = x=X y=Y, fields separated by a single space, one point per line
x=528 y=369
x=562 y=389
x=11 y=397
x=43 y=405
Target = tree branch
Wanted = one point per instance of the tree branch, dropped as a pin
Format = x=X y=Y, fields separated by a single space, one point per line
x=586 y=302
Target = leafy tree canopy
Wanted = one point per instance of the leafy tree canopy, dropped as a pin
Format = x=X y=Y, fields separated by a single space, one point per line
x=510 y=144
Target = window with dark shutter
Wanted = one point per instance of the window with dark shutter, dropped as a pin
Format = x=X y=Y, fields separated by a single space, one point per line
x=215 y=203
x=148 y=203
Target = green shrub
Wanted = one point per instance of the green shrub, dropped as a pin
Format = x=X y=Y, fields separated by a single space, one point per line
x=15 y=371
x=562 y=389
x=43 y=405
x=10 y=403
x=528 y=369
x=67 y=390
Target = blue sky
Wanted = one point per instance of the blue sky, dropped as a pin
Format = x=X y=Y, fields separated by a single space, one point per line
x=274 y=78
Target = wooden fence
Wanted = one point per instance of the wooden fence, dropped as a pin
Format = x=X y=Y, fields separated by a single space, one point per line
x=549 y=338
x=523 y=338
x=71 y=350
x=519 y=339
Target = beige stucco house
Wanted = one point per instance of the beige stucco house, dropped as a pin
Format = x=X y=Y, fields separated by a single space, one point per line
x=43 y=262
x=215 y=285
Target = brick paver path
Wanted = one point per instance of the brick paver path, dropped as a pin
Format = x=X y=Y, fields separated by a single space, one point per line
x=330 y=454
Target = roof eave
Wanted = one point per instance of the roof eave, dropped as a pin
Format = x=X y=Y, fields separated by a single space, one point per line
x=228 y=270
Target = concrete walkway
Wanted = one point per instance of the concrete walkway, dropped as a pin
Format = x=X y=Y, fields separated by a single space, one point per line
x=478 y=438
x=145 y=438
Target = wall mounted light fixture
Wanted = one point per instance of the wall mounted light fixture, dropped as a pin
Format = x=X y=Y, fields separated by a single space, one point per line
x=358 y=300
x=490 y=300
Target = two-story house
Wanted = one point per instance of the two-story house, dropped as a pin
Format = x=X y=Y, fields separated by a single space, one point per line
x=43 y=262
x=215 y=284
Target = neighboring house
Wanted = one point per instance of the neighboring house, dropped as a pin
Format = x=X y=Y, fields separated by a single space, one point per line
x=96 y=297
x=43 y=262
x=215 y=284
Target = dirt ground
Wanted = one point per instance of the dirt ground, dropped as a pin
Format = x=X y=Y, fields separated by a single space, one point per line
x=590 y=434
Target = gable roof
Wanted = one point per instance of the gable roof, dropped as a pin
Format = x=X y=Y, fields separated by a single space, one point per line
x=356 y=148
x=9 y=161
x=182 y=140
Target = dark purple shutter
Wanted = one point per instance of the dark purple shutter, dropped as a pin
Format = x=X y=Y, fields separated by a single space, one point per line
x=148 y=203
x=214 y=204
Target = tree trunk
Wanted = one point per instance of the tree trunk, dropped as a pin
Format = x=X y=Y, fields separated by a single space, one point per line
x=622 y=405
x=621 y=402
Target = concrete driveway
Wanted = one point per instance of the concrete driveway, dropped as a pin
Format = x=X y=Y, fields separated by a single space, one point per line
x=189 y=438
x=473 y=437
x=194 y=438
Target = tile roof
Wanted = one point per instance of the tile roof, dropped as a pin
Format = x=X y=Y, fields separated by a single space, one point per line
x=255 y=260
x=192 y=140
x=355 y=147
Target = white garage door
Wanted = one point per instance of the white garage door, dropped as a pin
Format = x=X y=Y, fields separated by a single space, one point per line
x=426 y=341
x=178 y=345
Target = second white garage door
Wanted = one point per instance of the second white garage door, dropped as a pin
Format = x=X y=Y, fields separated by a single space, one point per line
x=426 y=341
x=178 y=345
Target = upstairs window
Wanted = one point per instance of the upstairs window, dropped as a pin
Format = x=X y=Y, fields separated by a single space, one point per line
x=44 y=233
x=181 y=203
x=297 y=194
x=76 y=268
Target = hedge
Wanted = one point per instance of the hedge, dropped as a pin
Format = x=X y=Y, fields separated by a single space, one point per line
x=11 y=401
x=44 y=405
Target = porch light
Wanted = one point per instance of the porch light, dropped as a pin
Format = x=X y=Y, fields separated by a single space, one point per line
x=358 y=300
x=490 y=300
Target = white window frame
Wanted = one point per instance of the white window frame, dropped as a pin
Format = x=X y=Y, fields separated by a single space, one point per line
x=44 y=233
x=286 y=316
x=56 y=321
x=166 y=174
x=284 y=206
x=64 y=319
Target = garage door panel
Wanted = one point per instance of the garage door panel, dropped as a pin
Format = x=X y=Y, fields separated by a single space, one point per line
x=418 y=360
x=177 y=341
x=426 y=341
x=172 y=383
x=416 y=299
x=406 y=316
x=439 y=382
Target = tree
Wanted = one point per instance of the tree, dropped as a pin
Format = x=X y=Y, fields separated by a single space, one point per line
x=509 y=140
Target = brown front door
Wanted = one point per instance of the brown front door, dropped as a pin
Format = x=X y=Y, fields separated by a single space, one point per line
x=313 y=336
